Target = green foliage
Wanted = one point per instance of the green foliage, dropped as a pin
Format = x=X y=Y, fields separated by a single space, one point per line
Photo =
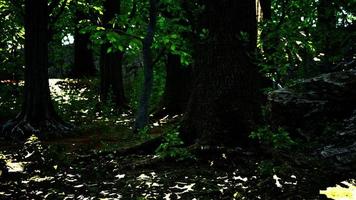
x=135 y=87
x=78 y=102
x=172 y=146
x=266 y=168
x=144 y=133
x=159 y=82
x=10 y=100
x=12 y=34
x=278 y=139
x=297 y=44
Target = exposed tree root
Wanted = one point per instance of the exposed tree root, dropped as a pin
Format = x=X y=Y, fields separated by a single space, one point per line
x=20 y=128
x=147 y=147
x=141 y=164
x=161 y=112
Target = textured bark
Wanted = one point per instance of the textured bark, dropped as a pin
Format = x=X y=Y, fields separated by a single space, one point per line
x=111 y=63
x=225 y=102
x=83 y=56
x=142 y=113
x=37 y=112
x=177 y=89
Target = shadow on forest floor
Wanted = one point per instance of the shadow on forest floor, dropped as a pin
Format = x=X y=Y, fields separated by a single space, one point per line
x=79 y=168
x=93 y=165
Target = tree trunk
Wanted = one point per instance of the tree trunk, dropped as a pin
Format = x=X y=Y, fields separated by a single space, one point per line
x=37 y=110
x=83 y=56
x=225 y=102
x=111 y=77
x=111 y=63
x=327 y=25
x=177 y=89
x=142 y=113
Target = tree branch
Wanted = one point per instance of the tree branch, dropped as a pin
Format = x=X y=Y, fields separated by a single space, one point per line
x=128 y=34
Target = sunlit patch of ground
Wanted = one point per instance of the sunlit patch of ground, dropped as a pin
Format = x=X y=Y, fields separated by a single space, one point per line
x=345 y=192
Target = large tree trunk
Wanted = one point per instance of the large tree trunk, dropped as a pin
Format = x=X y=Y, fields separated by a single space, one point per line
x=37 y=112
x=111 y=63
x=177 y=89
x=83 y=56
x=225 y=102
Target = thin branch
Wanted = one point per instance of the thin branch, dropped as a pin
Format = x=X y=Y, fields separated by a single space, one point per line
x=128 y=34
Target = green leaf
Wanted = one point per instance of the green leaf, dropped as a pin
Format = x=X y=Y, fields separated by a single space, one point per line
x=113 y=37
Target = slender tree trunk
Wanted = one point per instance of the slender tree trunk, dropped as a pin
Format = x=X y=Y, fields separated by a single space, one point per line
x=83 y=56
x=111 y=63
x=37 y=112
x=142 y=113
x=225 y=102
x=111 y=77
x=177 y=89
x=327 y=25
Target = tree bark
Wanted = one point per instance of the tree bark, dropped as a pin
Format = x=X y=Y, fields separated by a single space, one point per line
x=37 y=113
x=225 y=102
x=327 y=25
x=177 y=89
x=142 y=113
x=83 y=56
x=111 y=63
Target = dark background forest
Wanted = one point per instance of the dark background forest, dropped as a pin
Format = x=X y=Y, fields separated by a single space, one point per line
x=177 y=99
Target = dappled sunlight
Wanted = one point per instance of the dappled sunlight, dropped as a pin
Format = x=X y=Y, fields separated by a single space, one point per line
x=15 y=166
x=141 y=100
x=65 y=173
x=60 y=89
x=345 y=191
x=78 y=101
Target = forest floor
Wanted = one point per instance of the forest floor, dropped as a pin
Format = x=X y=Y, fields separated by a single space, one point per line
x=94 y=163
x=85 y=168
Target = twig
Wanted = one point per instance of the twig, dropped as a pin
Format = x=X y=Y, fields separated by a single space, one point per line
x=128 y=34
